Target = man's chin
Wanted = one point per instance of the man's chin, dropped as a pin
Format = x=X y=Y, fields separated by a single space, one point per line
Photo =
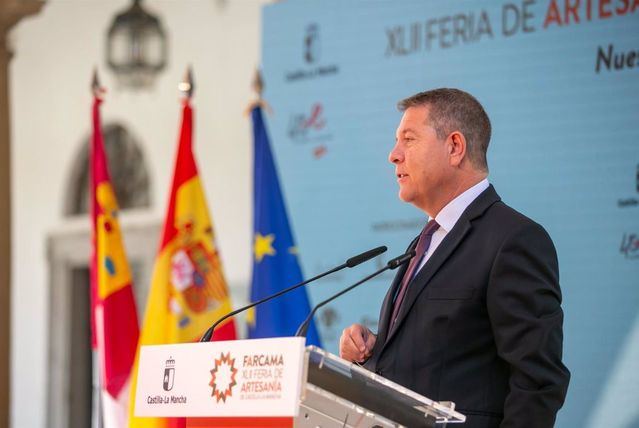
x=404 y=196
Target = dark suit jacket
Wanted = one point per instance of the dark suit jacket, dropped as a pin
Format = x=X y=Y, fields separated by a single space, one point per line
x=481 y=323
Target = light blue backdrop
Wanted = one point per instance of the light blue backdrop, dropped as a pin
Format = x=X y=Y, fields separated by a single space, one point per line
x=565 y=151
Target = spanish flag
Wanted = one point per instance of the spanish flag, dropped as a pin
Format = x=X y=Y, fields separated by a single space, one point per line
x=188 y=292
x=114 y=317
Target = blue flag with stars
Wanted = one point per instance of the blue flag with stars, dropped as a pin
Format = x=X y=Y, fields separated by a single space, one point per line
x=275 y=264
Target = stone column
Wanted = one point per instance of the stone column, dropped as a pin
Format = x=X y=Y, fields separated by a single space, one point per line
x=11 y=12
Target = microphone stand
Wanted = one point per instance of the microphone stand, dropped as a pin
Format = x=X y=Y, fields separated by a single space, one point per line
x=392 y=264
x=353 y=261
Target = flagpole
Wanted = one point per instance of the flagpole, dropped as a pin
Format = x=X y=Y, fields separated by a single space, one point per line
x=258 y=86
x=96 y=89
x=187 y=85
x=282 y=317
x=96 y=404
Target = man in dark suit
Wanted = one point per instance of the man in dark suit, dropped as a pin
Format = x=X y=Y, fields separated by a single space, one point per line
x=475 y=317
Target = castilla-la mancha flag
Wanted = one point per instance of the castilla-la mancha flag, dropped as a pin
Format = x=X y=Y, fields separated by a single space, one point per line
x=188 y=292
x=114 y=317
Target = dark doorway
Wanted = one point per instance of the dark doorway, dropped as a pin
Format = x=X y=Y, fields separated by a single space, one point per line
x=81 y=369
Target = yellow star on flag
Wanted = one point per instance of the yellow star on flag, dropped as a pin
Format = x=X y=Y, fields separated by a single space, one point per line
x=263 y=246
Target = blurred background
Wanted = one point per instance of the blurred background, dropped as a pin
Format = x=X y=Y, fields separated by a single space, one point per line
x=559 y=79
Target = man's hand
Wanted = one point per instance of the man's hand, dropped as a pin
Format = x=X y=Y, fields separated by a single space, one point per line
x=356 y=343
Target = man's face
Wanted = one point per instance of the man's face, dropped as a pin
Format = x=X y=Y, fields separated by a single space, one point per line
x=420 y=158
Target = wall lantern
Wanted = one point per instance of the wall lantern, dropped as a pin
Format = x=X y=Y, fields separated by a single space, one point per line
x=136 y=47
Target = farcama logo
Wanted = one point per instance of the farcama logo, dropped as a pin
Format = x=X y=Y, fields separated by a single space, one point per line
x=223 y=377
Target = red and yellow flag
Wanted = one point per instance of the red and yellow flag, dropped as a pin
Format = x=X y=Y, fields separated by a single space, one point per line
x=114 y=317
x=188 y=292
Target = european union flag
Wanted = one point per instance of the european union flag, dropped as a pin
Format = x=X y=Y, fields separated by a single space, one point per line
x=275 y=264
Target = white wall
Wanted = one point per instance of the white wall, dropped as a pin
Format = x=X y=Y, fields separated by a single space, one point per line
x=55 y=53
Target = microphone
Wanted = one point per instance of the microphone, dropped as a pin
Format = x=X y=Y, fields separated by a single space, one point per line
x=365 y=256
x=352 y=262
x=392 y=264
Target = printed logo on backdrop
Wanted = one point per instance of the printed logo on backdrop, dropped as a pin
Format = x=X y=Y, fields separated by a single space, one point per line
x=631 y=201
x=169 y=374
x=630 y=245
x=311 y=54
x=312 y=47
x=329 y=319
x=309 y=127
x=223 y=377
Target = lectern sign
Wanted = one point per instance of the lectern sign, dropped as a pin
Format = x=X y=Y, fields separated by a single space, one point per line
x=258 y=377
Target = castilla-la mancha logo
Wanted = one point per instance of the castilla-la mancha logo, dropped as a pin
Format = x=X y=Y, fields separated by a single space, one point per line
x=223 y=377
x=169 y=374
x=311 y=44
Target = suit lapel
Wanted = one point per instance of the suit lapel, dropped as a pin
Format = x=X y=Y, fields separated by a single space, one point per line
x=442 y=253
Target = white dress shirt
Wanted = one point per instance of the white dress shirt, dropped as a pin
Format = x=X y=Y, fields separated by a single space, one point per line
x=448 y=216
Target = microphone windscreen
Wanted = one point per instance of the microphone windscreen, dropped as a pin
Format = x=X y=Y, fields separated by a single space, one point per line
x=365 y=256
x=398 y=261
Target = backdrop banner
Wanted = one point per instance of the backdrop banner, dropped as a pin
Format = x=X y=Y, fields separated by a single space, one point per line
x=560 y=81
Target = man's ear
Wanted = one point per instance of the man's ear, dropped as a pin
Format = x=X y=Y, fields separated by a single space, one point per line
x=456 y=148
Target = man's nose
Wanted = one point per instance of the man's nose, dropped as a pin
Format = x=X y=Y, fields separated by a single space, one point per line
x=395 y=155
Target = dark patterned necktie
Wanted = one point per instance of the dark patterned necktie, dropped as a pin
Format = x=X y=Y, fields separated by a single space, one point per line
x=420 y=251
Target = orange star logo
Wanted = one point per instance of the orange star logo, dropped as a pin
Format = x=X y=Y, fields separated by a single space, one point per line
x=223 y=377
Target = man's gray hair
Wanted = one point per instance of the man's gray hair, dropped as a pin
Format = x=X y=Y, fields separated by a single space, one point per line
x=455 y=110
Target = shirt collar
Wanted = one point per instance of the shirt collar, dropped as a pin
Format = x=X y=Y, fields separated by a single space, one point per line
x=449 y=215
